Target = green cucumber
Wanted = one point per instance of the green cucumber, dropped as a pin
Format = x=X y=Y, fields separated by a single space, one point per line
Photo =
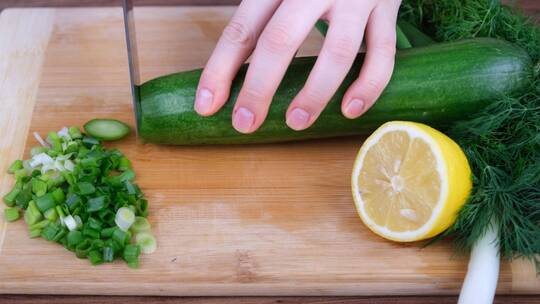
x=435 y=84
x=106 y=129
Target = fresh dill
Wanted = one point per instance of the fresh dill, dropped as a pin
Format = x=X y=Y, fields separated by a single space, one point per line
x=502 y=142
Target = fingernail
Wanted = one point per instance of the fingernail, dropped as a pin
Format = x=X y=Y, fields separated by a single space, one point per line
x=203 y=102
x=243 y=120
x=298 y=119
x=354 y=108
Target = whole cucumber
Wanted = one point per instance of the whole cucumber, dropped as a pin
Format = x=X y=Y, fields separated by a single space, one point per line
x=435 y=84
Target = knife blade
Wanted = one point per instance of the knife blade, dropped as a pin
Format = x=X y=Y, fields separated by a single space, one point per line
x=133 y=59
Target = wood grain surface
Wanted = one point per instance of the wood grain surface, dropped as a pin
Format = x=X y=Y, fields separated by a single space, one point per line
x=303 y=237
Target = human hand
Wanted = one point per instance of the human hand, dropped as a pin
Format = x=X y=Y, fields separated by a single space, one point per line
x=272 y=31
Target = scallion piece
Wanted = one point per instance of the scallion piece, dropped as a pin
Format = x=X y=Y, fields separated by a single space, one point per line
x=19 y=174
x=82 y=249
x=23 y=198
x=34 y=233
x=124 y=164
x=119 y=236
x=94 y=224
x=124 y=218
x=11 y=214
x=74 y=238
x=51 y=215
x=60 y=235
x=95 y=257
x=108 y=232
x=50 y=231
x=131 y=255
x=16 y=165
x=45 y=202
x=141 y=224
x=39 y=188
x=10 y=197
x=108 y=254
x=86 y=188
x=39 y=225
x=70 y=223
x=89 y=142
x=91 y=233
x=142 y=207
x=96 y=204
x=32 y=214
x=147 y=242
x=73 y=201
x=74 y=132
x=38 y=150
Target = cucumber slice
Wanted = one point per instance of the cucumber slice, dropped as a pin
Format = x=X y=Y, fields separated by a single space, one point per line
x=106 y=129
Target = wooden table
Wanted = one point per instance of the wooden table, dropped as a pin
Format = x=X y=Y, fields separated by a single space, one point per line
x=93 y=299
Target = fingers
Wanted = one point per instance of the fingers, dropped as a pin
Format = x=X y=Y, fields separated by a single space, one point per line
x=233 y=48
x=379 y=61
x=339 y=50
x=275 y=49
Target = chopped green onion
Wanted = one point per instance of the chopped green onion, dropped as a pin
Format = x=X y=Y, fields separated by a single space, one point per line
x=35 y=233
x=95 y=257
x=19 y=174
x=108 y=254
x=10 y=197
x=54 y=140
x=131 y=255
x=142 y=207
x=74 y=238
x=74 y=132
x=120 y=236
x=94 y=224
x=58 y=196
x=91 y=233
x=60 y=212
x=146 y=241
x=97 y=244
x=89 y=141
x=50 y=231
x=124 y=164
x=38 y=150
x=141 y=224
x=73 y=201
x=60 y=235
x=70 y=223
x=39 y=225
x=96 y=204
x=71 y=147
x=108 y=232
x=82 y=249
x=45 y=202
x=23 y=198
x=39 y=187
x=11 y=214
x=16 y=165
x=86 y=188
x=51 y=215
x=124 y=218
x=32 y=214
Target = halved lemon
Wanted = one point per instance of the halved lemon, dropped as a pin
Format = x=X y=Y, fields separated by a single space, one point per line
x=409 y=181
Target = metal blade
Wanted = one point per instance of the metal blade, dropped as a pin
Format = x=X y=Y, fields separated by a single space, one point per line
x=133 y=59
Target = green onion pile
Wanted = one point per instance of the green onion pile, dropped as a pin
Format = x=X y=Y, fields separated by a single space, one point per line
x=74 y=192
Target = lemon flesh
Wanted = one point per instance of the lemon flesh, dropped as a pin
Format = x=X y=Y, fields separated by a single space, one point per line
x=409 y=181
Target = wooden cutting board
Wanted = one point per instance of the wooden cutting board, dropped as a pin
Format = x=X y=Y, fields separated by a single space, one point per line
x=244 y=220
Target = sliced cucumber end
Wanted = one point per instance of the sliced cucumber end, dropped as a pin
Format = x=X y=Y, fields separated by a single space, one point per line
x=106 y=129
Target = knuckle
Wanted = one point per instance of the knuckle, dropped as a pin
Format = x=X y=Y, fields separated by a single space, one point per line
x=372 y=87
x=343 y=49
x=385 y=48
x=314 y=97
x=238 y=33
x=253 y=94
x=276 y=39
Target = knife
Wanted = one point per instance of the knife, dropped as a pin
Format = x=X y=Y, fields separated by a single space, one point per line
x=133 y=59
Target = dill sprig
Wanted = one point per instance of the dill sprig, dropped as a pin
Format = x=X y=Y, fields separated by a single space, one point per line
x=502 y=142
